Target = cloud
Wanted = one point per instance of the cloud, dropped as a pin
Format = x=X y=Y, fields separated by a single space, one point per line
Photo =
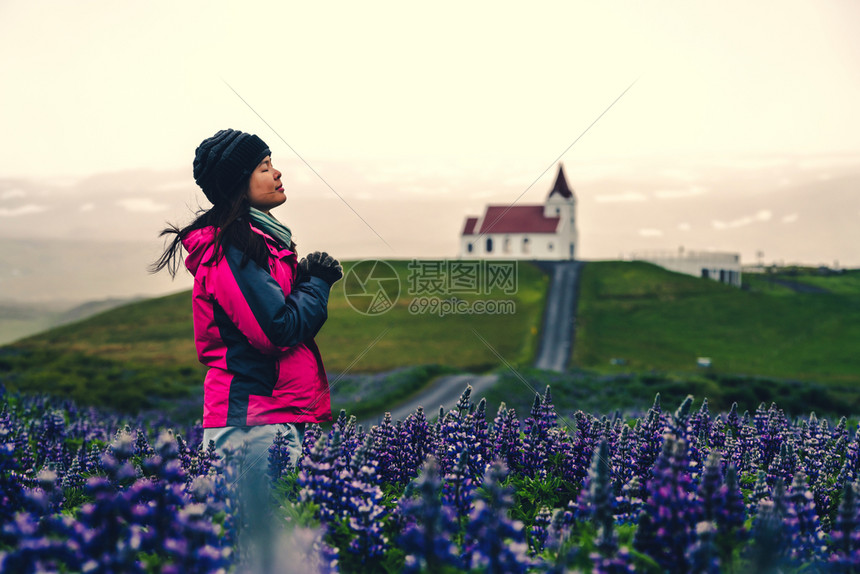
x=28 y=209
x=691 y=191
x=87 y=207
x=621 y=197
x=684 y=226
x=760 y=217
x=790 y=218
x=13 y=193
x=650 y=233
x=141 y=205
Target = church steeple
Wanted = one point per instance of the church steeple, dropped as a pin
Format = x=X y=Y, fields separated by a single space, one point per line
x=561 y=186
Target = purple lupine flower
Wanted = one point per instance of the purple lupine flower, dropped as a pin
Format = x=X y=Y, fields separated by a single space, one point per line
x=802 y=520
x=623 y=462
x=426 y=538
x=506 y=436
x=319 y=479
x=385 y=450
x=309 y=441
x=770 y=541
x=350 y=439
x=11 y=491
x=364 y=508
x=733 y=420
x=533 y=457
x=671 y=508
x=679 y=422
x=141 y=445
x=539 y=531
x=780 y=468
x=709 y=491
x=760 y=492
x=457 y=491
x=584 y=443
x=279 y=457
x=702 y=555
x=731 y=515
x=845 y=534
x=453 y=435
x=480 y=449
x=558 y=540
x=493 y=541
x=597 y=501
x=50 y=437
x=417 y=442
x=621 y=563
x=719 y=430
x=649 y=436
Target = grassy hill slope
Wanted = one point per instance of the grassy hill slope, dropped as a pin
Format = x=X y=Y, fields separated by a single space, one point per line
x=658 y=320
x=133 y=355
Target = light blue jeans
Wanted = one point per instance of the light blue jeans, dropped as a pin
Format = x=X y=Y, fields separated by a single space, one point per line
x=258 y=440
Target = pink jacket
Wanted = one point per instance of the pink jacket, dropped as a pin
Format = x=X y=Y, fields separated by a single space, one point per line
x=254 y=329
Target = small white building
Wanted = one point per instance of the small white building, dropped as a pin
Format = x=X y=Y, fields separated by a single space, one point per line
x=719 y=266
x=545 y=231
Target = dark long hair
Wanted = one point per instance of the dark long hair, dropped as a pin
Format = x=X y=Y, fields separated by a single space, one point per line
x=232 y=228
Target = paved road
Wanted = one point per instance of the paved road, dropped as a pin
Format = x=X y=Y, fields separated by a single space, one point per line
x=559 y=317
x=554 y=352
x=444 y=392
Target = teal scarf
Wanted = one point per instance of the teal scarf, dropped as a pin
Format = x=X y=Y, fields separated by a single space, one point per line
x=268 y=224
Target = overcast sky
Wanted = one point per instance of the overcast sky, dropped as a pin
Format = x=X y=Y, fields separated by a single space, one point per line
x=434 y=102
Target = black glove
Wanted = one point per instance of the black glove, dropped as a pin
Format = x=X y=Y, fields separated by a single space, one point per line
x=321 y=265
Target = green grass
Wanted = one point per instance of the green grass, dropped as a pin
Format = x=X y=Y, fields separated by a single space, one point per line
x=765 y=343
x=134 y=356
x=422 y=339
x=633 y=393
x=846 y=282
x=662 y=321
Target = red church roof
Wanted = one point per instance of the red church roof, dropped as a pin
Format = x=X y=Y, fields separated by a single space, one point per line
x=470 y=226
x=517 y=219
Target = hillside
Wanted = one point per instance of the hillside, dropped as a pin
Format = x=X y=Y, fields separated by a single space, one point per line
x=652 y=323
x=131 y=356
x=653 y=319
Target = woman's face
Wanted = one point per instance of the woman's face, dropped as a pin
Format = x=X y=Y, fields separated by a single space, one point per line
x=265 y=190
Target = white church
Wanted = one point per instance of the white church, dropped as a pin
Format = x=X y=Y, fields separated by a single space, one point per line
x=545 y=231
x=549 y=231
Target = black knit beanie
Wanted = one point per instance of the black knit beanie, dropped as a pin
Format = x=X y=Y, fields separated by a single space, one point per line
x=224 y=162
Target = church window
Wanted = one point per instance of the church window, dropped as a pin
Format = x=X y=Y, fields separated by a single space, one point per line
x=469 y=247
x=489 y=244
x=557 y=210
x=525 y=244
x=506 y=246
x=549 y=246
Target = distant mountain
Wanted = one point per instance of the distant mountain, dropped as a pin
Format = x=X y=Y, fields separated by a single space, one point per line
x=19 y=320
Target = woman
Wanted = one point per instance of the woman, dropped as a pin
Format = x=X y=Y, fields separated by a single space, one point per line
x=256 y=308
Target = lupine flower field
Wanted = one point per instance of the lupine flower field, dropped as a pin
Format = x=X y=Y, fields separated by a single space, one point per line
x=679 y=490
